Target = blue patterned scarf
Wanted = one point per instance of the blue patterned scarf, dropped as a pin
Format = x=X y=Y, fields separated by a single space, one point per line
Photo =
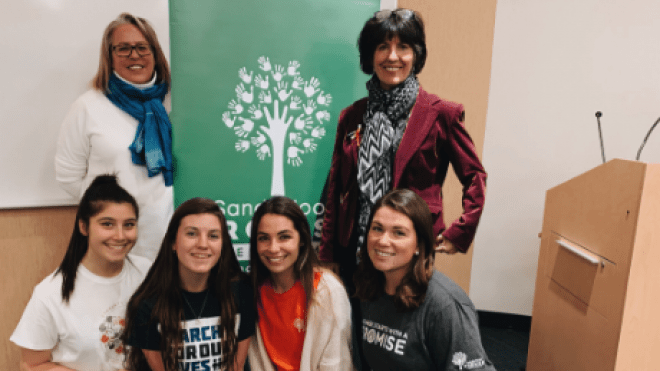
x=152 y=145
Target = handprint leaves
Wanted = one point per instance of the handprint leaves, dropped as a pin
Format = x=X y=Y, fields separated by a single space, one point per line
x=275 y=115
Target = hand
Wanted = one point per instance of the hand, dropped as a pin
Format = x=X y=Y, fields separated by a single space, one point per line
x=261 y=82
x=263 y=152
x=324 y=99
x=228 y=120
x=264 y=63
x=242 y=73
x=295 y=103
x=281 y=91
x=309 y=107
x=236 y=107
x=293 y=156
x=303 y=124
x=255 y=111
x=311 y=87
x=309 y=145
x=294 y=138
x=297 y=83
x=245 y=129
x=278 y=73
x=443 y=245
x=242 y=145
x=293 y=68
x=318 y=132
x=265 y=98
x=322 y=115
x=242 y=94
x=259 y=139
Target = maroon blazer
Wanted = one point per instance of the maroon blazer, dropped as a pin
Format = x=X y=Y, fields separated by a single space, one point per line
x=434 y=137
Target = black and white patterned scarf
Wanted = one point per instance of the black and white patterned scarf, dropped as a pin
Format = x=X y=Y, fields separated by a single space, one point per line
x=384 y=123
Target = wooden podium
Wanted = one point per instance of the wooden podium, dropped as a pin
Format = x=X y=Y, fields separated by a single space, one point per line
x=597 y=298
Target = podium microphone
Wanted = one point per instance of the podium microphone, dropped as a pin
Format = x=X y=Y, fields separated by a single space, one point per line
x=639 y=152
x=600 y=134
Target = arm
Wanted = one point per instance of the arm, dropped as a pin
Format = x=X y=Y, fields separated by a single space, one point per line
x=328 y=229
x=470 y=172
x=72 y=151
x=337 y=354
x=454 y=340
x=39 y=360
x=241 y=354
x=154 y=359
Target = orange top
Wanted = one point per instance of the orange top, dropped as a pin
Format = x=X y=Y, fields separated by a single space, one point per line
x=282 y=323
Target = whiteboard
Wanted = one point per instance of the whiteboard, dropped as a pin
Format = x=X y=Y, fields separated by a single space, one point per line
x=50 y=52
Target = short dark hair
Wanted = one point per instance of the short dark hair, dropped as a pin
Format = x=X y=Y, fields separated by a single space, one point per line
x=384 y=25
x=103 y=190
x=307 y=260
x=410 y=294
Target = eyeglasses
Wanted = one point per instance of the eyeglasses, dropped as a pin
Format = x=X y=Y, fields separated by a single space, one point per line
x=401 y=13
x=125 y=50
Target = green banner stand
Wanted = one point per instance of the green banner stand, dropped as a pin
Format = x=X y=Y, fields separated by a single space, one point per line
x=257 y=88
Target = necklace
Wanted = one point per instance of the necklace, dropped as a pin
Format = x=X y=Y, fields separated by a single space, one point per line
x=197 y=316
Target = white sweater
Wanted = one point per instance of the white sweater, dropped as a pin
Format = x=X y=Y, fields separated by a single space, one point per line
x=94 y=140
x=327 y=345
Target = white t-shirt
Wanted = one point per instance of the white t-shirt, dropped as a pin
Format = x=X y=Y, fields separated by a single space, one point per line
x=83 y=334
x=94 y=140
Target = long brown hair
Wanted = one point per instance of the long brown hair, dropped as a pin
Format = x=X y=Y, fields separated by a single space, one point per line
x=162 y=68
x=307 y=260
x=163 y=285
x=104 y=189
x=410 y=294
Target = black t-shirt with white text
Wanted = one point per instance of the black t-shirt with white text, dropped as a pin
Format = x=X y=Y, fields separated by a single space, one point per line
x=442 y=334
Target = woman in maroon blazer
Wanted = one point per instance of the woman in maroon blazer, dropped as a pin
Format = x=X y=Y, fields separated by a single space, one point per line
x=399 y=136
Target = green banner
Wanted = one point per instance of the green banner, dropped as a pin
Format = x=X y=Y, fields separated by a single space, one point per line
x=257 y=89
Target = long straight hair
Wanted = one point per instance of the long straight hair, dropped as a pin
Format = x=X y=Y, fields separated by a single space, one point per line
x=163 y=285
x=307 y=261
x=104 y=189
x=411 y=292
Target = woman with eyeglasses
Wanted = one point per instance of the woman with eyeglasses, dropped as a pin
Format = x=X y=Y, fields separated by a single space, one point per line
x=121 y=126
x=400 y=136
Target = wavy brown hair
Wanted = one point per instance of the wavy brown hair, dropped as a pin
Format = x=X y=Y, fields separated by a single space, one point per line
x=410 y=294
x=307 y=260
x=162 y=68
x=163 y=286
x=103 y=190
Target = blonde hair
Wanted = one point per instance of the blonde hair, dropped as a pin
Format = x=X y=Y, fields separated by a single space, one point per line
x=162 y=68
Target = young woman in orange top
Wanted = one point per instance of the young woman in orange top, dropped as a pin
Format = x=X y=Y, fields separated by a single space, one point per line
x=296 y=300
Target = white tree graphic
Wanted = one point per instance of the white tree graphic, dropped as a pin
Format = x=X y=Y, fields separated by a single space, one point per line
x=267 y=102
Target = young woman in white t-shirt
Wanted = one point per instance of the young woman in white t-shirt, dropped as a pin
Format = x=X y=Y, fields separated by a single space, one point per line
x=75 y=317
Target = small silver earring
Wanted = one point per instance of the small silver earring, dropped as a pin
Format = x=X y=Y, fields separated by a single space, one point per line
x=417 y=252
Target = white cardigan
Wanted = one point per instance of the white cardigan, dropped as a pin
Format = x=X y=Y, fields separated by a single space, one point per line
x=327 y=345
x=94 y=140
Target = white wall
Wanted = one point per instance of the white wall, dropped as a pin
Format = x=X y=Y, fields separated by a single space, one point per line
x=554 y=64
x=50 y=52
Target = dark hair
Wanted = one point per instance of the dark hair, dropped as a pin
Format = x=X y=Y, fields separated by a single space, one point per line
x=104 y=189
x=410 y=293
x=162 y=68
x=307 y=260
x=384 y=25
x=163 y=285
